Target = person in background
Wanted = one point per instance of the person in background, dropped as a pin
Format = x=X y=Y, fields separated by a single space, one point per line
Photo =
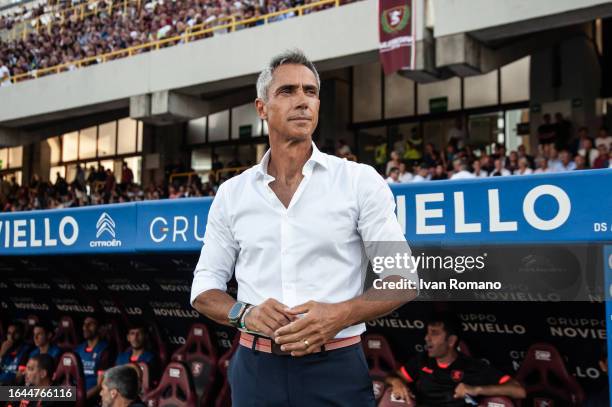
x=394 y=162
x=522 y=152
x=566 y=161
x=499 y=170
x=38 y=373
x=603 y=137
x=439 y=173
x=42 y=334
x=523 y=167
x=443 y=377
x=563 y=131
x=541 y=165
x=461 y=170
x=588 y=152
x=554 y=163
x=478 y=171
x=602 y=160
x=580 y=163
x=13 y=353
x=546 y=131
x=393 y=177
x=422 y=174
x=404 y=175
x=94 y=354
x=120 y=388
x=137 y=352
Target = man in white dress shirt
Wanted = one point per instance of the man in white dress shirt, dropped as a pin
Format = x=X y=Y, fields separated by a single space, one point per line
x=296 y=230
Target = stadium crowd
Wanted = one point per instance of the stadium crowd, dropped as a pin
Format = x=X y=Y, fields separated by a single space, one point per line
x=92 y=186
x=104 y=30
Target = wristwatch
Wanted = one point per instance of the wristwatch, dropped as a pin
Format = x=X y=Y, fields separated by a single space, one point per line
x=235 y=313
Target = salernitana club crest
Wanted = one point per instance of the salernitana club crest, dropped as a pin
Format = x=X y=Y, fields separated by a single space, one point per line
x=395 y=18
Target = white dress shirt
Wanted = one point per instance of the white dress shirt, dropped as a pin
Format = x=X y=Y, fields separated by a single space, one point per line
x=312 y=250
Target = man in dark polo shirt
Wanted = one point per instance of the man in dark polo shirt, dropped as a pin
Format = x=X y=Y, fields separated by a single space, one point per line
x=13 y=353
x=445 y=377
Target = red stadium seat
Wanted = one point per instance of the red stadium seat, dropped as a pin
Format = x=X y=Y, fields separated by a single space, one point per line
x=496 y=402
x=224 y=398
x=381 y=361
x=69 y=372
x=175 y=388
x=159 y=345
x=145 y=377
x=387 y=400
x=546 y=378
x=65 y=336
x=31 y=320
x=199 y=354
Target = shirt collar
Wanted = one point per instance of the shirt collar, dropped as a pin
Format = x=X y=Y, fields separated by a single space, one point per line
x=317 y=157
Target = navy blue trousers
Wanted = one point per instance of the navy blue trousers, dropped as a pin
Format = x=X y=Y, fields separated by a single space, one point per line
x=336 y=378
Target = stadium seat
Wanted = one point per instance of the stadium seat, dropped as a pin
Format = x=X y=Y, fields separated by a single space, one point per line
x=387 y=400
x=224 y=397
x=496 y=402
x=546 y=379
x=158 y=344
x=175 y=388
x=199 y=355
x=31 y=320
x=65 y=335
x=380 y=360
x=145 y=377
x=112 y=333
x=69 y=372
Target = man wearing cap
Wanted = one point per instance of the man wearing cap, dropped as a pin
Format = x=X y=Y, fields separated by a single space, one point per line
x=297 y=230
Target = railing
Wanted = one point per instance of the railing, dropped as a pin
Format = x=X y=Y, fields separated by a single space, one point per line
x=216 y=173
x=193 y=33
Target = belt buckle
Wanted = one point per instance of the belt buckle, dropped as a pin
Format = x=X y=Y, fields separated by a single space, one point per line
x=276 y=349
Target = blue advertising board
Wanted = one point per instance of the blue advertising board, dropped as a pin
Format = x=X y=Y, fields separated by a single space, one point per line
x=565 y=207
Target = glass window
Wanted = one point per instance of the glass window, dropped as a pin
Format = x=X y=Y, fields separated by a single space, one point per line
x=373 y=147
x=4 y=158
x=18 y=177
x=56 y=151
x=201 y=160
x=481 y=90
x=446 y=94
x=107 y=164
x=87 y=143
x=54 y=171
x=515 y=81
x=367 y=92
x=245 y=122
x=15 y=156
x=399 y=96
x=485 y=129
x=70 y=172
x=117 y=169
x=126 y=142
x=70 y=143
x=436 y=132
x=107 y=139
x=218 y=126
x=196 y=131
x=135 y=164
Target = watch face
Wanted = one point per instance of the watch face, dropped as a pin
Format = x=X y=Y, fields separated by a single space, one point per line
x=234 y=312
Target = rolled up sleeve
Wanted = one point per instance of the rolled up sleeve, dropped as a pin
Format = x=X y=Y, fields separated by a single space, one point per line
x=378 y=225
x=220 y=250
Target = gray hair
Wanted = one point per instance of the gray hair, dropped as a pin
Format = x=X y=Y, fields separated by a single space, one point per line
x=125 y=379
x=294 y=56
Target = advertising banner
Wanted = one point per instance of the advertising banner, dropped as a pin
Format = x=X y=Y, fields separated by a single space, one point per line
x=397 y=34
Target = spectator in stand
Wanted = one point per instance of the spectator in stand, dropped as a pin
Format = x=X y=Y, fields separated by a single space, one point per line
x=580 y=162
x=13 y=353
x=456 y=134
x=460 y=169
x=216 y=164
x=478 y=171
x=563 y=131
x=587 y=151
x=5 y=75
x=431 y=157
x=546 y=131
x=512 y=162
x=127 y=176
x=499 y=170
x=439 y=173
x=523 y=167
x=554 y=163
x=522 y=152
x=603 y=137
x=422 y=174
x=602 y=160
x=394 y=162
x=442 y=376
x=120 y=388
x=393 y=177
x=94 y=354
x=566 y=161
x=404 y=175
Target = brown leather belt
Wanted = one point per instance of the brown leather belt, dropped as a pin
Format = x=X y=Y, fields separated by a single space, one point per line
x=264 y=344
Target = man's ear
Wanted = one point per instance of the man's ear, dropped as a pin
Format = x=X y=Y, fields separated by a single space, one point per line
x=453 y=341
x=262 y=109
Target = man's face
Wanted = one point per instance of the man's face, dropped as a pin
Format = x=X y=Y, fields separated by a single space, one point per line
x=40 y=336
x=13 y=334
x=437 y=342
x=34 y=375
x=107 y=395
x=90 y=328
x=292 y=109
x=136 y=338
